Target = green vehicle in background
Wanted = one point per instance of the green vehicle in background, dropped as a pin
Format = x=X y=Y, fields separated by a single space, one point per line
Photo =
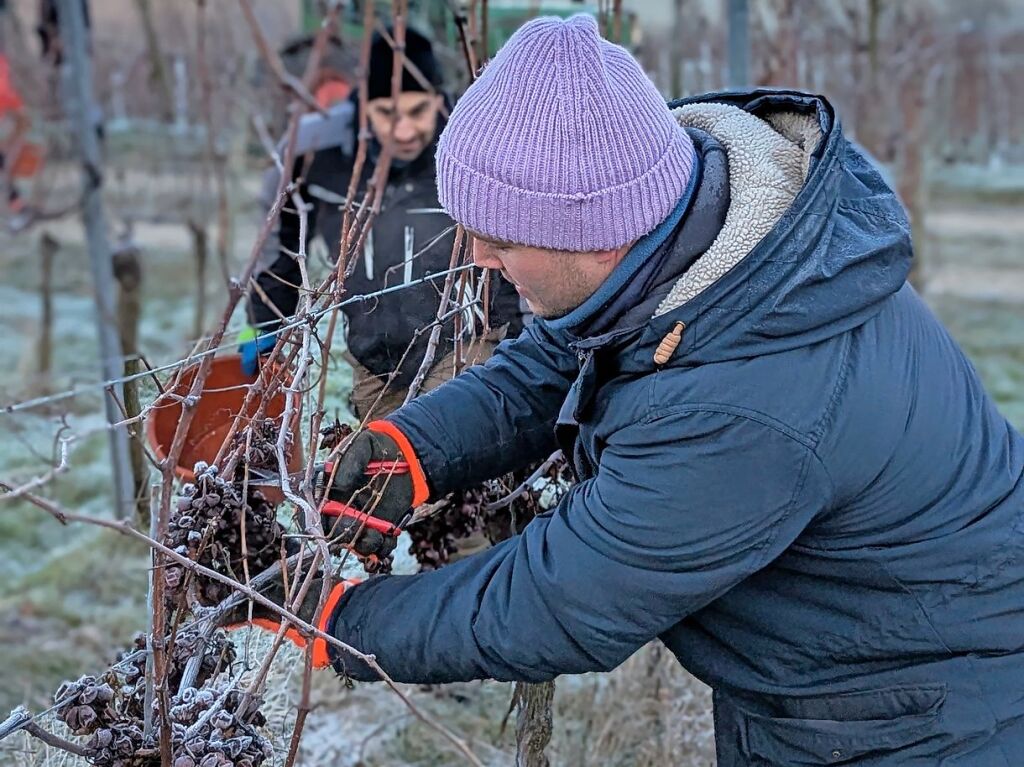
x=505 y=16
x=437 y=17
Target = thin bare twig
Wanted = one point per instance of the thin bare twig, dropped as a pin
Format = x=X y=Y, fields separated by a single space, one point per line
x=54 y=740
x=435 y=334
x=15 y=721
x=503 y=503
x=214 y=159
x=288 y=81
x=464 y=37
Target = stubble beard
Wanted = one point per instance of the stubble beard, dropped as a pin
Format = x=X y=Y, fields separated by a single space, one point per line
x=575 y=288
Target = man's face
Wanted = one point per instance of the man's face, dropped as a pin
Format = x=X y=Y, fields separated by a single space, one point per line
x=553 y=282
x=415 y=125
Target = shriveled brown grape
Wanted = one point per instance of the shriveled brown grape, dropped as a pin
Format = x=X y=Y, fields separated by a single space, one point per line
x=259 y=442
x=434 y=539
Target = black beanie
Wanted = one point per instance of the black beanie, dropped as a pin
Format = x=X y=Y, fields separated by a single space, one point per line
x=418 y=50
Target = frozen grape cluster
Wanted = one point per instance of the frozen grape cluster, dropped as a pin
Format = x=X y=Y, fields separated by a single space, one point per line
x=259 y=441
x=212 y=724
x=206 y=525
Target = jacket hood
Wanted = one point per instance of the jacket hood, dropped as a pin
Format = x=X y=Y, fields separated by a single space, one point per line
x=814 y=241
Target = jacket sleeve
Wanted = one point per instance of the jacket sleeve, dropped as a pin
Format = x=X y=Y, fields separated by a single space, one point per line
x=280 y=279
x=681 y=510
x=492 y=418
x=278 y=273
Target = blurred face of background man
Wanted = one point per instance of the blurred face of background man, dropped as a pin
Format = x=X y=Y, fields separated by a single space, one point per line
x=415 y=124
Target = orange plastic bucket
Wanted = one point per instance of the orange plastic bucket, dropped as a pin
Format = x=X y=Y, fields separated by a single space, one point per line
x=222 y=398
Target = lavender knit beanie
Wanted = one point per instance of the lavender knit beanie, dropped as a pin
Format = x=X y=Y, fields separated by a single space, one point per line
x=563 y=142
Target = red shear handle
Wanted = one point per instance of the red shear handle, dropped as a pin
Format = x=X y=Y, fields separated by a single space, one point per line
x=337 y=509
x=373 y=468
x=387 y=467
x=321 y=653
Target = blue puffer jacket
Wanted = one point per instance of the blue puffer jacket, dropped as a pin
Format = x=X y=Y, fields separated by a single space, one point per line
x=813 y=503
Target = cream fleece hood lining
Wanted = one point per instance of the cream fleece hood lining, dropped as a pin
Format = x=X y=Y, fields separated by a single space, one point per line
x=769 y=160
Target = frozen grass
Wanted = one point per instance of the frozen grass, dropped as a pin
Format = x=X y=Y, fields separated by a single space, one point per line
x=647 y=713
x=990 y=334
x=69 y=615
x=989 y=184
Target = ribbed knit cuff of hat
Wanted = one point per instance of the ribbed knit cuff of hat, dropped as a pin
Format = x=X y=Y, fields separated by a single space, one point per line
x=563 y=142
x=581 y=222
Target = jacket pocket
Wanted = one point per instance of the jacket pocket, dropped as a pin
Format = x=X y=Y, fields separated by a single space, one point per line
x=842 y=729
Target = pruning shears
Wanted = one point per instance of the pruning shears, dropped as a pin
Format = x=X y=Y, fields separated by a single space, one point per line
x=322 y=474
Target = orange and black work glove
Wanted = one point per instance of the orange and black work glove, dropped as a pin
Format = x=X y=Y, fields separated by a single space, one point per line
x=371 y=491
x=269 y=620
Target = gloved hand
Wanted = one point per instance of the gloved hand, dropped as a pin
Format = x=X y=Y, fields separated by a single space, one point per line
x=252 y=346
x=371 y=489
x=268 y=620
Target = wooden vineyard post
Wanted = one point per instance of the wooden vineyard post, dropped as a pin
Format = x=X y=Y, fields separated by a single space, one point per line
x=48 y=247
x=128 y=272
x=76 y=73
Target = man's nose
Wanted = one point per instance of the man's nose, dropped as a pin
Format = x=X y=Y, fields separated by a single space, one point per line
x=484 y=257
x=405 y=130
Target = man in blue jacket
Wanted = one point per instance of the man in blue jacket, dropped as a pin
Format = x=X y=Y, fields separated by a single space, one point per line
x=789 y=473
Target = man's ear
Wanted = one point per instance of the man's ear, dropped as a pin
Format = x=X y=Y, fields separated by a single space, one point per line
x=612 y=256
